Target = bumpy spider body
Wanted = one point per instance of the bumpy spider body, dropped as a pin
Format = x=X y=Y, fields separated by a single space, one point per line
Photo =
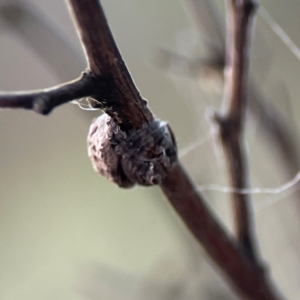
x=143 y=156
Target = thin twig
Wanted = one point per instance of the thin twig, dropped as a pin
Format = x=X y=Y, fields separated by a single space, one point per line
x=114 y=89
x=232 y=117
x=43 y=101
x=260 y=109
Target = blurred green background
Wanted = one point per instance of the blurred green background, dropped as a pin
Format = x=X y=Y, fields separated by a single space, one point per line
x=65 y=232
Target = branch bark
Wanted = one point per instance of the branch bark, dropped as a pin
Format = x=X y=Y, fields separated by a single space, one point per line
x=43 y=101
x=113 y=87
x=246 y=278
x=261 y=110
x=231 y=118
x=177 y=185
x=105 y=61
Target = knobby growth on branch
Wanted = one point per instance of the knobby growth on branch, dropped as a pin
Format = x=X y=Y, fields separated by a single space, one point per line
x=129 y=146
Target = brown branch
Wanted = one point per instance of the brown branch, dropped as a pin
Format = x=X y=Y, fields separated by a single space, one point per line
x=104 y=60
x=177 y=185
x=260 y=109
x=43 y=101
x=114 y=88
x=244 y=276
x=231 y=119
